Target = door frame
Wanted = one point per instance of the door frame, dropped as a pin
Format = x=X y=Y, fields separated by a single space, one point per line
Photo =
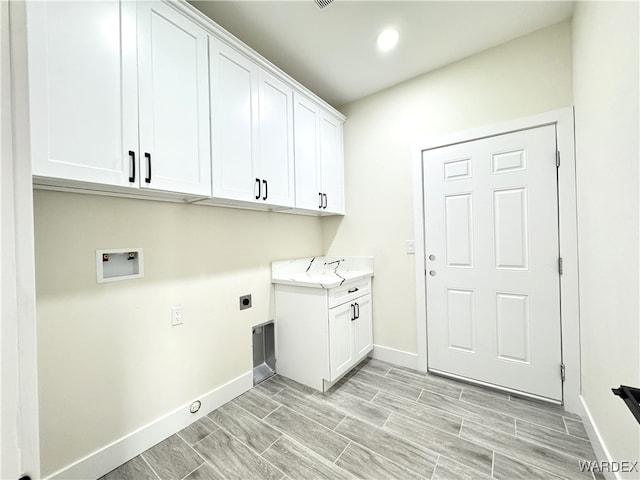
x=19 y=419
x=563 y=119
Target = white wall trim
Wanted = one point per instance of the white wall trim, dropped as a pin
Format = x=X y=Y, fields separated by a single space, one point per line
x=420 y=260
x=564 y=122
x=102 y=461
x=599 y=447
x=9 y=377
x=397 y=357
x=18 y=329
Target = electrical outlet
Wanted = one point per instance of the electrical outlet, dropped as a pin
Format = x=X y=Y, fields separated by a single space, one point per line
x=245 y=302
x=177 y=316
x=411 y=247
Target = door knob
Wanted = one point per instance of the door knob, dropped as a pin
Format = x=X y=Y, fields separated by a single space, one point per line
x=432 y=257
x=432 y=273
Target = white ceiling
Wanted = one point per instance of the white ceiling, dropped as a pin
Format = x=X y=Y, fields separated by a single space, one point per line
x=333 y=51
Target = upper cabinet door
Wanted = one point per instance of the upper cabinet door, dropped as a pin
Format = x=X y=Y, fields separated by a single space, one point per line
x=306 y=117
x=234 y=123
x=174 y=107
x=83 y=90
x=276 y=141
x=332 y=163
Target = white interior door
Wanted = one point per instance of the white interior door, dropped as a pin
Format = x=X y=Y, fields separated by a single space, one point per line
x=491 y=236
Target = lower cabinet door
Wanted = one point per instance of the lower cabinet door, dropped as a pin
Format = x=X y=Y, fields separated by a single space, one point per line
x=362 y=327
x=340 y=339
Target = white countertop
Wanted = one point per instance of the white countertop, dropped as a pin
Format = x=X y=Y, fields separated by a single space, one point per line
x=321 y=272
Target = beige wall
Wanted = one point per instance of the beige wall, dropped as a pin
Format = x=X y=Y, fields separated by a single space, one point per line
x=109 y=360
x=606 y=82
x=523 y=77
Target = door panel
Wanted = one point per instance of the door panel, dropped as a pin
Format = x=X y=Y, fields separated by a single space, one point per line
x=459 y=230
x=510 y=223
x=460 y=319
x=512 y=316
x=491 y=231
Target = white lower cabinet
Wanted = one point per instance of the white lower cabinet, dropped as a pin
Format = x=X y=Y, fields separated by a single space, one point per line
x=321 y=334
x=350 y=335
x=362 y=327
x=340 y=340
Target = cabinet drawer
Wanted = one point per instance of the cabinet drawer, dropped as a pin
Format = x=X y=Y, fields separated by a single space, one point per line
x=348 y=292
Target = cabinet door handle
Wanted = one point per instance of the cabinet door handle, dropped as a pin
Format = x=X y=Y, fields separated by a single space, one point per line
x=132 y=156
x=353 y=312
x=357 y=310
x=324 y=195
x=353 y=291
x=147 y=155
x=320 y=196
x=266 y=190
x=257 y=194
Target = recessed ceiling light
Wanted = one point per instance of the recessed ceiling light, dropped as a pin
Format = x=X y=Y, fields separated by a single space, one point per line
x=388 y=39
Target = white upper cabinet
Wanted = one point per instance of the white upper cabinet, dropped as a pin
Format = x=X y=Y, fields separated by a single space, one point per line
x=97 y=70
x=319 y=163
x=145 y=97
x=234 y=125
x=252 y=130
x=331 y=163
x=306 y=116
x=276 y=167
x=83 y=90
x=173 y=92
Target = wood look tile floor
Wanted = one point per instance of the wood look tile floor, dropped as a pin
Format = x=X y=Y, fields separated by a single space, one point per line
x=380 y=422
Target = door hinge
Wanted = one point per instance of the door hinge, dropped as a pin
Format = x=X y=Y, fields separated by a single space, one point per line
x=560 y=266
x=557 y=158
x=562 y=374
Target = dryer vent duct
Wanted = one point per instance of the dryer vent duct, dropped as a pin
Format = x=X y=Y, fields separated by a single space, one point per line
x=323 y=3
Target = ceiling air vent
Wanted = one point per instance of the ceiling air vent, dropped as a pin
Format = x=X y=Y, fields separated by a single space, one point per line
x=323 y=3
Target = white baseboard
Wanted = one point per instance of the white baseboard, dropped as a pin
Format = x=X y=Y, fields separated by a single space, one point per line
x=397 y=357
x=599 y=447
x=111 y=456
